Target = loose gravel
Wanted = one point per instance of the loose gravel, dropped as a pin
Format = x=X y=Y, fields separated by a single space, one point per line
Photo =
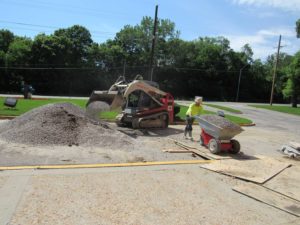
x=62 y=124
x=221 y=122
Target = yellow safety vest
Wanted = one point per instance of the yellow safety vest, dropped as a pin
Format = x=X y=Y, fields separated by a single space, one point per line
x=194 y=110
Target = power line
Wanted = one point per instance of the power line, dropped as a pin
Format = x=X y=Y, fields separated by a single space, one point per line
x=97 y=68
x=92 y=32
x=94 y=35
x=51 y=27
x=71 y=9
x=50 y=31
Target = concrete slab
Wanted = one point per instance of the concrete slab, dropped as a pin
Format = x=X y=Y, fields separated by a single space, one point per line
x=156 y=195
x=10 y=193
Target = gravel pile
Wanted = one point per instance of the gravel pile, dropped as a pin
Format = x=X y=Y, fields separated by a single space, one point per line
x=221 y=122
x=95 y=108
x=61 y=124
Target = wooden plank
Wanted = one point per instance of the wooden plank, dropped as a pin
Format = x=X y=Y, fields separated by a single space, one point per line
x=269 y=197
x=177 y=151
x=199 y=150
x=80 y=166
x=287 y=182
x=258 y=170
x=203 y=150
x=194 y=150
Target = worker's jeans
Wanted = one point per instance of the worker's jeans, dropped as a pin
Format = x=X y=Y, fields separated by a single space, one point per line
x=189 y=125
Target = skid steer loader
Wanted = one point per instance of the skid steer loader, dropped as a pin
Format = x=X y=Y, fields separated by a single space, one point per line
x=142 y=103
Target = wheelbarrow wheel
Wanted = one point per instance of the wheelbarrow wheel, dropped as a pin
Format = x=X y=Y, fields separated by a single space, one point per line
x=235 y=147
x=214 y=146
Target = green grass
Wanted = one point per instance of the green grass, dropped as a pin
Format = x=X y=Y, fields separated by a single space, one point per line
x=279 y=108
x=25 y=105
x=228 y=109
x=235 y=119
x=110 y=115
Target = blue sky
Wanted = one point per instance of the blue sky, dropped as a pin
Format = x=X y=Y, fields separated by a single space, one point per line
x=257 y=22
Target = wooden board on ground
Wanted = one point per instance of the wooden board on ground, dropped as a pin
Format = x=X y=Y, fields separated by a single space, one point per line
x=269 y=197
x=177 y=151
x=200 y=150
x=258 y=170
x=287 y=182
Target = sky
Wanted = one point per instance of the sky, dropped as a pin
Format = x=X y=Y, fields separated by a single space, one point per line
x=256 y=22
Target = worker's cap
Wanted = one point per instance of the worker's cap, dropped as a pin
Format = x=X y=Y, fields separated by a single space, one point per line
x=198 y=99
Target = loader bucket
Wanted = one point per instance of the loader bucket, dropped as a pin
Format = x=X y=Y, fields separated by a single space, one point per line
x=112 y=98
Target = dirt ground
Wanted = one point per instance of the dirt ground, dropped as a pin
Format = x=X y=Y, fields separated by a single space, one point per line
x=178 y=194
x=151 y=146
x=183 y=195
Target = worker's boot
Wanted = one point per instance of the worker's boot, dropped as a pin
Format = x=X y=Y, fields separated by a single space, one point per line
x=190 y=135
x=185 y=133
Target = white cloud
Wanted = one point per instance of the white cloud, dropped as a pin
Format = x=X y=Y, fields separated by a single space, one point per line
x=264 y=42
x=287 y=32
x=289 y=5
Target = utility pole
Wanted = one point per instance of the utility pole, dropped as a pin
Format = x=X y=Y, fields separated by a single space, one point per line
x=275 y=70
x=153 y=44
x=238 y=89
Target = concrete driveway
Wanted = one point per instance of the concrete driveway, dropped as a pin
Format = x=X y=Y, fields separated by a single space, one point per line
x=183 y=194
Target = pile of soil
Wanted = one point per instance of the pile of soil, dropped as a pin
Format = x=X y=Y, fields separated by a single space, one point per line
x=222 y=122
x=61 y=124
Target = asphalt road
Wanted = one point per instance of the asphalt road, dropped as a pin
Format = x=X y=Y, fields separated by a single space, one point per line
x=263 y=118
x=268 y=119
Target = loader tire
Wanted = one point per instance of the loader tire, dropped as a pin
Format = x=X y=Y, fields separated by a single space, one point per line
x=165 y=121
x=135 y=124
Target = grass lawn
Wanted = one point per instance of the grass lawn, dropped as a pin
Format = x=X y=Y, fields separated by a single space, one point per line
x=279 y=108
x=228 y=109
x=25 y=105
x=235 y=119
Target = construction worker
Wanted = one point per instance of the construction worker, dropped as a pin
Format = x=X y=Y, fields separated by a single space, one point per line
x=195 y=109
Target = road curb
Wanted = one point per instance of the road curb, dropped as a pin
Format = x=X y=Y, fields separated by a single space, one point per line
x=241 y=124
x=247 y=124
x=7 y=117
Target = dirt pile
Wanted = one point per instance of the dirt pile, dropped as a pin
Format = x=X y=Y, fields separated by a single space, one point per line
x=222 y=122
x=61 y=124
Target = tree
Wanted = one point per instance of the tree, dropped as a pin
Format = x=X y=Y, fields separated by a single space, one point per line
x=136 y=41
x=18 y=55
x=6 y=37
x=292 y=87
x=51 y=51
x=81 y=41
x=247 y=53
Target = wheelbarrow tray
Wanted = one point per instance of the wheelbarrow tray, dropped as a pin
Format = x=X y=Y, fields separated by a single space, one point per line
x=216 y=131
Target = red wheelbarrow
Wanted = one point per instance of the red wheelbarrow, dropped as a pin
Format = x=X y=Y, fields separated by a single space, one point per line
x=218 y=139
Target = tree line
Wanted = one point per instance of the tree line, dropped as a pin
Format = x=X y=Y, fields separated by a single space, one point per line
x=69 y=62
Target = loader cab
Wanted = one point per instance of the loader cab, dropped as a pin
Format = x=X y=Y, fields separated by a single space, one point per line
x=139 y=101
